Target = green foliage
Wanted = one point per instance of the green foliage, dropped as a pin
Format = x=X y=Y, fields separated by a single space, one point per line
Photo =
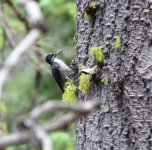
x=62 y=18
x=62 y=141
x=58 y=7
x=97 y=52
x=84 y=83
x=70 y=93
x=20 y=88
x=117 y=42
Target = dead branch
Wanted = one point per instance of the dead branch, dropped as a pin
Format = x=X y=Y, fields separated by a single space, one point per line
x=35 y=15
x=36 y=19
x=16 y=54
x=55 y=105
x=43 y=138
x=25 y=136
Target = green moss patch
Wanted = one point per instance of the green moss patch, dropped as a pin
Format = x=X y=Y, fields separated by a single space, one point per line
x=97 y=52
x=84 y=83
x=105 y=81
x=117 y=42
x=106 y=110
x=70 y=93
x=91 y=11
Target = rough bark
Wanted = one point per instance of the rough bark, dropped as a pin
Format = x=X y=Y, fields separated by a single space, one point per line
x=128 y=125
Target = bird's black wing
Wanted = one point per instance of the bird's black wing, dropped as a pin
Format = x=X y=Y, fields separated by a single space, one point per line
x=58 y=76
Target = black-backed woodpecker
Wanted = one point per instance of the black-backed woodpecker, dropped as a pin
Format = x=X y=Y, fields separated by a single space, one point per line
x=60 y=70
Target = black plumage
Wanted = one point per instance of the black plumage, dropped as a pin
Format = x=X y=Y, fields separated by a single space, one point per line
x=60 y=70
x=57 y=75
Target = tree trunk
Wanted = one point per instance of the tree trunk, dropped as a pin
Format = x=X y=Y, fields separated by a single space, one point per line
x=124 y=29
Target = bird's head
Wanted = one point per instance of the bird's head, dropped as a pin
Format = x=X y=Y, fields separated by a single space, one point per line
x=50 y=57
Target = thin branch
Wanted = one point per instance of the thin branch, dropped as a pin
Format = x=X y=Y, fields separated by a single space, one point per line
x=16 y=139
x=79 y=110
x=62 y=122
x=19 y=15
x=55 y=105
x=6 y=29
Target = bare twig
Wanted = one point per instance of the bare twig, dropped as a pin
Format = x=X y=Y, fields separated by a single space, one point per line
x=25 y=136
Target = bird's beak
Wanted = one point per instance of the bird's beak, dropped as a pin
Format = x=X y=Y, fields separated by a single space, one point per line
x=59 y=52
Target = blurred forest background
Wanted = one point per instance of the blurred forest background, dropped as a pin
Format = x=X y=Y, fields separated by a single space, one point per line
x=31 y=82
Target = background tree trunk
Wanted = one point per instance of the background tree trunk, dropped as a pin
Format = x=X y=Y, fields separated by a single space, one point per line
x=128 y=124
